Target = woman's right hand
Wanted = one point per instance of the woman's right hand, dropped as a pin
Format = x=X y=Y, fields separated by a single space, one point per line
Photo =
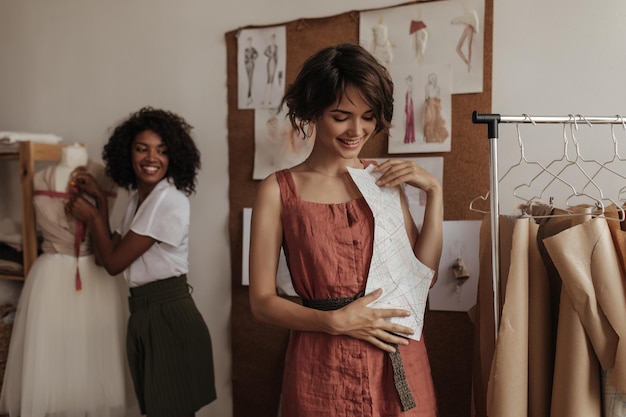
x=371 y=324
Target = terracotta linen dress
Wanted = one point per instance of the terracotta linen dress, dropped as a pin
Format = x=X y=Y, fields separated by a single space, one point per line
x=328 y=248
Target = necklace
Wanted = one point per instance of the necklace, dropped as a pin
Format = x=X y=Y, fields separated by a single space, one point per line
x=306 y=162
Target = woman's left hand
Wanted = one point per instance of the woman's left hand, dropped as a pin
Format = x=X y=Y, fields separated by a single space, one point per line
x=396 y=172
x=81 y=209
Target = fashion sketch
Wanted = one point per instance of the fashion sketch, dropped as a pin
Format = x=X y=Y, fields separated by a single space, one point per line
x=419 y=38
x=271 y=53
x=261 y=60
x=277 y=144
x=434 y=124
x=250 y=56
x=381 y=46
x=409 y=115
x=469 y=21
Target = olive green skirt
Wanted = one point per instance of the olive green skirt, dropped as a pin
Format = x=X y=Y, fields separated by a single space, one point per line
x=169 y=349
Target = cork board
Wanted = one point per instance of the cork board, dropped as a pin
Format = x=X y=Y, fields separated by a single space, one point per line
x=257 y=349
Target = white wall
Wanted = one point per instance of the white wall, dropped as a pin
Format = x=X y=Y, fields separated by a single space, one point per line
x=556 y=58
x=75 y=68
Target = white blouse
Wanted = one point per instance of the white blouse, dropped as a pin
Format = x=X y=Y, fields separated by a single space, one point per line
x=164 y=216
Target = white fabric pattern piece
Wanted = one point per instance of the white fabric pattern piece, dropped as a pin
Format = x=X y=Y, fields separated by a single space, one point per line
x=394 y=268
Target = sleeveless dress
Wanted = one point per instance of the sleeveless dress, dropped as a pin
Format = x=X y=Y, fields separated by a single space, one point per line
x=328 y=248
x=67 y=354
x=409 y=127
x=435 y=130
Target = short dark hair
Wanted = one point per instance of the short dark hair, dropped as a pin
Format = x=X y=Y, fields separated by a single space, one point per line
x=323 y=80
x=184 y=156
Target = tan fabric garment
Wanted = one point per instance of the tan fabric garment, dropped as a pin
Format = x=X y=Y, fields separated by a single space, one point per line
x=519 y=382
x=590 y=308
x=507 y=393
x=616 y=311
x=576 y=382
x=540 y=332
x=482 y=317
x=482 y=313
x=593 y=278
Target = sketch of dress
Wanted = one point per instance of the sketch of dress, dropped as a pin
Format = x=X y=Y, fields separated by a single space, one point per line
x=419 y=38
x=435 y=130
x=381 y=46
x=250 y=56
x=67 y=355
x=271 y=52
x=409 y=125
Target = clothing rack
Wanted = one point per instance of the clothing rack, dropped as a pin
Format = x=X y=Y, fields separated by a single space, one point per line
x=492 y=121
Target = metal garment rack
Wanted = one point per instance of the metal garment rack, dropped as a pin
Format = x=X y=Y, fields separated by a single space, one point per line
x=492 y=121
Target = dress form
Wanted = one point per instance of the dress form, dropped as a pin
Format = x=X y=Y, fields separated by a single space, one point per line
x=72 y=157
x=85 y=337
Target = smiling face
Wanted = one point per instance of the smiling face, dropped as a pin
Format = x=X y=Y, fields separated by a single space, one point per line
x=345 y=127
x=150 y=161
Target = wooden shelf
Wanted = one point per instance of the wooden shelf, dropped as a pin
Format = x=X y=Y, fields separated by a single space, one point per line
x=12 y=277
x=9 y=156
x=28 y=154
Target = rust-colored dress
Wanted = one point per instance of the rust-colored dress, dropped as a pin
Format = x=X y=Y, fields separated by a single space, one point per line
x=328 y=248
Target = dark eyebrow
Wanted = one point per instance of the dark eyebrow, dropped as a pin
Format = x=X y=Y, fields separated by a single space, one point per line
x=347 y=112
x=340 y=111
x=162 y=145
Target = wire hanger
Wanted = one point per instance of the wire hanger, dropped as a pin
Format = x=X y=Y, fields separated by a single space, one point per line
x=477 y=199
x=569 y=162
x=565 y=158
x=603 y=166
x=591 y=181
x=617 y=157
x=522 y=159
x=520 y=144
x=570 y=159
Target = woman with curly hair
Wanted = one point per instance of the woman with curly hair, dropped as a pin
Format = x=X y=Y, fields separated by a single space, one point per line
x=152 y=154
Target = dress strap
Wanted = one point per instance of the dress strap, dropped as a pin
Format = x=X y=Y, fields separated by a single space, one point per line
x=287 y=185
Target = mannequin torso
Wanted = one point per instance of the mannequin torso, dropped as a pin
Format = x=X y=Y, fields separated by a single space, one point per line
x=72 y=157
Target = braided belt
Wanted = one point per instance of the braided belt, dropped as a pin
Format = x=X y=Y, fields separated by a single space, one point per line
x=399 y=377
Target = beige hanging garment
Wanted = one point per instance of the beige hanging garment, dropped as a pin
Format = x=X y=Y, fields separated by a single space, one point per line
x=593 y=276
x=522 y=350
x=540 y=334
x=593 y=294
x=544 y=365
x=616 y=307
x=576 y=385
x=482 y=313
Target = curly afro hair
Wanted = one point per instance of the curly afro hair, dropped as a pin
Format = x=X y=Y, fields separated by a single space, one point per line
x=184 y=156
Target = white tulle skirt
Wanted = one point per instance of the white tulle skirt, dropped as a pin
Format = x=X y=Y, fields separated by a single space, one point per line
x=67 y=355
